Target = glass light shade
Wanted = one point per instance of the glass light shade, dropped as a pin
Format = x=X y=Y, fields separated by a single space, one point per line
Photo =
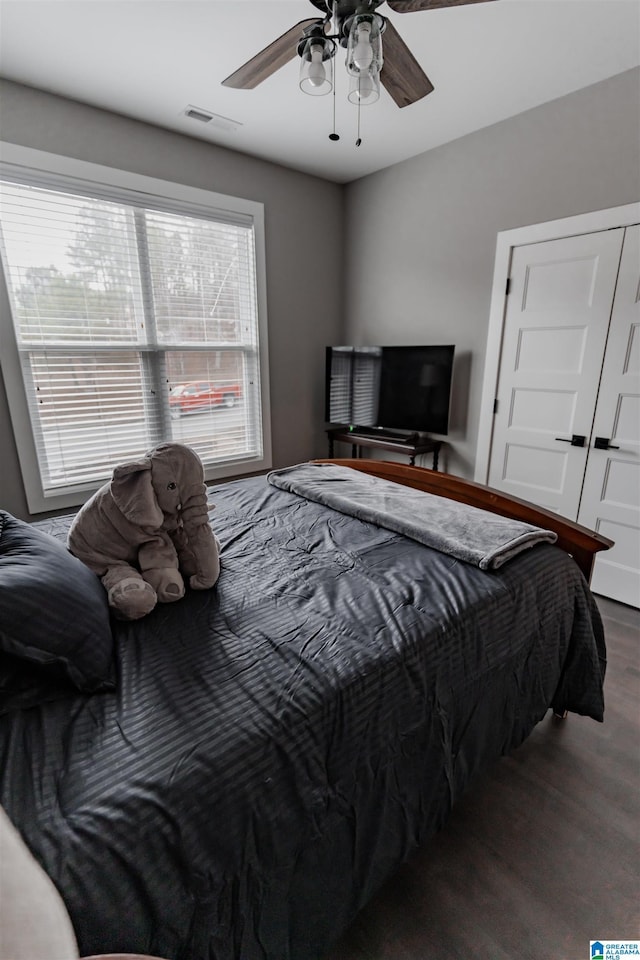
x=364 y=47
x=364 y=89
x=315 y=63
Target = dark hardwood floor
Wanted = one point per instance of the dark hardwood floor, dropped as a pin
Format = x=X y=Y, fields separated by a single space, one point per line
x=542 y=854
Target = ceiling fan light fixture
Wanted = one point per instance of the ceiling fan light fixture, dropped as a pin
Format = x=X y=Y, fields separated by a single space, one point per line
x=364 y=45
x=364 y=89
x=315 y=53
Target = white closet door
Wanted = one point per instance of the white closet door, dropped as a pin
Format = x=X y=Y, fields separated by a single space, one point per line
x=611 y=496
x=555 y=331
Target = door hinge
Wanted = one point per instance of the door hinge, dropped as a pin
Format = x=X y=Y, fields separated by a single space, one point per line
x=507 y=289
x=495 y=405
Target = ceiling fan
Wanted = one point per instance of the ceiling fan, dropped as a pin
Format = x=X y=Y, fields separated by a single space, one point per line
x=355 y=25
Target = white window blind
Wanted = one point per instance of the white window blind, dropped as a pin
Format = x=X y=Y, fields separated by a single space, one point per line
x=133 y=324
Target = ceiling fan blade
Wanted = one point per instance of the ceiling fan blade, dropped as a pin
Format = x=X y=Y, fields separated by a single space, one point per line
x=401 y=75
x=412 y=6
x=254 y=71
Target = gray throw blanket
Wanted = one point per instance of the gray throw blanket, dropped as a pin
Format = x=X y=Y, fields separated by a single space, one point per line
x=467 y=533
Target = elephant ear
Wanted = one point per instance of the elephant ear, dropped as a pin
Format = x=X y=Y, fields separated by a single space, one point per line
x=134 y=495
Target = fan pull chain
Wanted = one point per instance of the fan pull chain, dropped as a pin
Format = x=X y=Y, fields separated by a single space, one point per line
x=334 y=135
x=359 y=140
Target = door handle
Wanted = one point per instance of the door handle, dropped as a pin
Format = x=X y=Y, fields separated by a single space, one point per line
x=577 y=440
x=603 y=443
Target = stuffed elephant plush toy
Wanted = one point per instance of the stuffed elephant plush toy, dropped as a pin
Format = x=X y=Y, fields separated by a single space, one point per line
x=146 y=529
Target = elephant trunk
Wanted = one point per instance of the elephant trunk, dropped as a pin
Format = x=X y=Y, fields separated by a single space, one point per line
x=198 y=550
x=194 y=510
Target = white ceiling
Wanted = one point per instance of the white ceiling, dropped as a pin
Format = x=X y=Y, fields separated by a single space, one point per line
x=149 y=59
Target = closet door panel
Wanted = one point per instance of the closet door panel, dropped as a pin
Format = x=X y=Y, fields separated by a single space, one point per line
x=610 y=500
x=556 y=323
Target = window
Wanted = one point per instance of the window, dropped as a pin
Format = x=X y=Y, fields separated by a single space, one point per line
x=136 y=317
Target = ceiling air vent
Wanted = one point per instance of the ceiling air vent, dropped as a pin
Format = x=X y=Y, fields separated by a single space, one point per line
x=205 y=116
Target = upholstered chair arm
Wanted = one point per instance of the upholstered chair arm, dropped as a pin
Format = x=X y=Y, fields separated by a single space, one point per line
x=121 y=956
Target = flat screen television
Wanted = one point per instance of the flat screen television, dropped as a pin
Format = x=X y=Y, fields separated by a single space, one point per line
x=397 y=390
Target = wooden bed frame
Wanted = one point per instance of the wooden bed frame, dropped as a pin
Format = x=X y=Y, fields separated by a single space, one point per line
x=579 y=542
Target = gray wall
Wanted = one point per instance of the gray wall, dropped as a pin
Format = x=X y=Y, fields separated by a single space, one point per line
x=421 y=235
x=301 y=321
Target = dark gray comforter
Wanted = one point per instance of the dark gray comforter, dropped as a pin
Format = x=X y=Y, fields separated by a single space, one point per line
x=278 y=745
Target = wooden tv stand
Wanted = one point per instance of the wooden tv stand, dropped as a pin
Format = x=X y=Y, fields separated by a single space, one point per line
x=412 y=447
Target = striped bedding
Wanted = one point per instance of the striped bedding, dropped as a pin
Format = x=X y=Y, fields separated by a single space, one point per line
x=275 y=747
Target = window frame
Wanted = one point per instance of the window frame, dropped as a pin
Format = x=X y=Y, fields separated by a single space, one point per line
x=58 y=172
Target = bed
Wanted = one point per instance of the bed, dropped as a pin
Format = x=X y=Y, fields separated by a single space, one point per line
x=261 y=756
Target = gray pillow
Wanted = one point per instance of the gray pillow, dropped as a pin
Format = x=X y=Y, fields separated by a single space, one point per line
x=53 y=609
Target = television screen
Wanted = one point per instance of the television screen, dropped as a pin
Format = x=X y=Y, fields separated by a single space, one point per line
x=389 y=388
